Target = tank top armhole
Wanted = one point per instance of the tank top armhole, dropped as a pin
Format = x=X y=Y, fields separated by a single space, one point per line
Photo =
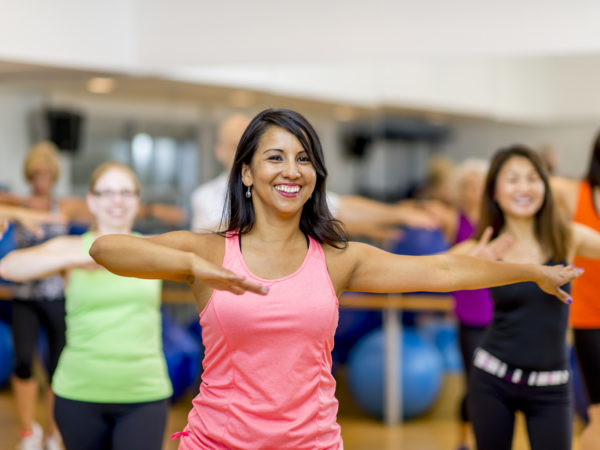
x=320 y=255
x=231 y=239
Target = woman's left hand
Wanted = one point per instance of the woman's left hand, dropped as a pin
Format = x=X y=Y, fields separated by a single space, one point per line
x=553 y=277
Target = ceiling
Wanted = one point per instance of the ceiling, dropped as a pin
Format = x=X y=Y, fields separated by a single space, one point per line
x=495 y=59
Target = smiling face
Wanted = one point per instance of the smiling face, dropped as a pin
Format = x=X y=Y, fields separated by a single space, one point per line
x=281 y=175
x=114 y=200
x=520 y=190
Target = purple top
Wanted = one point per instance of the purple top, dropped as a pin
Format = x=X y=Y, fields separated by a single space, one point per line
x=472 y=308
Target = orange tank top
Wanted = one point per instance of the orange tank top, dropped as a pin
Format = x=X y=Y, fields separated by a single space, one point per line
x=585 y=310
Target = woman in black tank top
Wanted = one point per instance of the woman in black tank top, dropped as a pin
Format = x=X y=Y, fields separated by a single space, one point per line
x=522 y=362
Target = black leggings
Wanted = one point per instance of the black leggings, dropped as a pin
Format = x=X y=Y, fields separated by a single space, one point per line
x=111 y=426
x=469 y=338
x=493 y=403
x=587 y=351
x=28 y=315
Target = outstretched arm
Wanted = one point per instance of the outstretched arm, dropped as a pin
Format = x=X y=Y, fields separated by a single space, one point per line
x=354 y=209
x=176 y=256
x=29 y=218
x=49 y=258
x=374 y=270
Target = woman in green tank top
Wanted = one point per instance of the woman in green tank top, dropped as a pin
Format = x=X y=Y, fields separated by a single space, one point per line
x=111 y=383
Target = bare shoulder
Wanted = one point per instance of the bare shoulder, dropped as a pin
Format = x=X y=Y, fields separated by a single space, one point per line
x=341 y=262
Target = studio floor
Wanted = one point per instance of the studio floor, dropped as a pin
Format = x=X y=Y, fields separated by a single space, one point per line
x=437 y=430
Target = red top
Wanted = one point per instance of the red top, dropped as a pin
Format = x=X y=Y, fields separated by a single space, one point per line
x=585 y=309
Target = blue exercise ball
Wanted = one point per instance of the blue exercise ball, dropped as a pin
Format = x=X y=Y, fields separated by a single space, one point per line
x=7 y=354
x=421 y=369
x=183 y=356
x=353 y=324
x=581 y=401
x=77 y=228
x=7 y=244
x=419 y=241
x=444 y=335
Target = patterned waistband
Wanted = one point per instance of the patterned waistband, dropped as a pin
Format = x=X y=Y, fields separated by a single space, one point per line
x=494 y=366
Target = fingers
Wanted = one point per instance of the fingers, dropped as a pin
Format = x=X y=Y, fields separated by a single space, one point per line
x=252 y=286
x=237 y=284
x=486 y=236
x=563 y=296
x=571 y=272
x=480 y=248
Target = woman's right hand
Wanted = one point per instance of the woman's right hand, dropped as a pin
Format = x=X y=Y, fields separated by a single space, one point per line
x=223 y=279
x=553 y=277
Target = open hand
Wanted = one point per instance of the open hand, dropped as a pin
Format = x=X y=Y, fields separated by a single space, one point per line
x=553 y=277
x=492 y=250
x=225 y=280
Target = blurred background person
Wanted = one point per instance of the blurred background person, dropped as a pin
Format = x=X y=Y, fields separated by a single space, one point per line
x=37 y=303
x=580 y=201
x=111 y=383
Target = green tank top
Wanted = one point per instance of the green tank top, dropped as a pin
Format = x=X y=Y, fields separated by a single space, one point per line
x=113 y=351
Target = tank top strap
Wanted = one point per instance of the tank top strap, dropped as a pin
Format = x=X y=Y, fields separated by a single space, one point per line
x=233 y=253
x=315 y=250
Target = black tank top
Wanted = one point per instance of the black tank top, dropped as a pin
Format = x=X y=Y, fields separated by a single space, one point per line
x=529 y=327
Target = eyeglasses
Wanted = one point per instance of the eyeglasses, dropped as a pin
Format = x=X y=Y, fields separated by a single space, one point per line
x=109 y=193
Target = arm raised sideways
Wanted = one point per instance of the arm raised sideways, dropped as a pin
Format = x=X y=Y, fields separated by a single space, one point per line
x=368 y=269
x=176 y=256
x=51 y=257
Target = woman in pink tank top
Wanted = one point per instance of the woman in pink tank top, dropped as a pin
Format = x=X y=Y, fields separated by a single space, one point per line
x=267 y=289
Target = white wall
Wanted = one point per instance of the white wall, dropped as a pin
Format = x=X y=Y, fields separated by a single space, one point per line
x=69 y=33
x=572 y=141
x=495 y=60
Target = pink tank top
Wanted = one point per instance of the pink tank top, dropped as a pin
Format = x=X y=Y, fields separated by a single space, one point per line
x=267 y=380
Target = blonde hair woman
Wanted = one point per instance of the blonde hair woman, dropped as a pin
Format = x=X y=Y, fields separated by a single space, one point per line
x=111 y=382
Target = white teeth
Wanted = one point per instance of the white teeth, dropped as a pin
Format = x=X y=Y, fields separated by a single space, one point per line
x=523 y=200
x=288 y=189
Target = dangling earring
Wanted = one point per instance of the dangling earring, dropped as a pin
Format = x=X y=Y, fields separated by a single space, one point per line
x=248 y=192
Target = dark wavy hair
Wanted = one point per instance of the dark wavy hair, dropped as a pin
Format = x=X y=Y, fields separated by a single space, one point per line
x=550 y=228
x=593 y=174
x=316 y=219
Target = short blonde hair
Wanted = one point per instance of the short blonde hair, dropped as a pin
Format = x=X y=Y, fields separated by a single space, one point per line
x=105 y=167
x=43 y=155
x=469 y=166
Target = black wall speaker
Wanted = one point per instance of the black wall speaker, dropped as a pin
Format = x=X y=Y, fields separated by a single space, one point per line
x=64 y=128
